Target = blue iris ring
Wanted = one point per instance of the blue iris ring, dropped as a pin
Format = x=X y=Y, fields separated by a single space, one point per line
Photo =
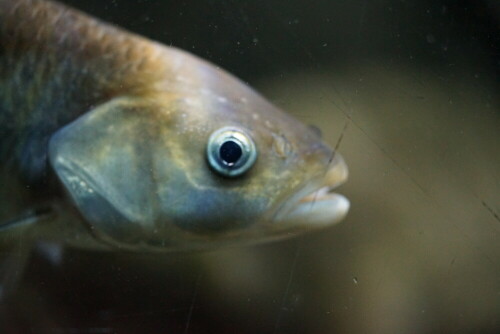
x=231 y=151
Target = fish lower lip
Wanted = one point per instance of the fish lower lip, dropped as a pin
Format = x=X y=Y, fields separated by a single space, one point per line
x=324 y=211
x=318 y=209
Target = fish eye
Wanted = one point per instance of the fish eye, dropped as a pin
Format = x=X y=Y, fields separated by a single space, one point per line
x=231 y=151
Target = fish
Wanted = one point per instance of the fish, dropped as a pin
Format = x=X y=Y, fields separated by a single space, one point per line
x=112 y=141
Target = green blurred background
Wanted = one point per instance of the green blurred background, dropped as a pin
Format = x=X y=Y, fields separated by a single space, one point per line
x=413 y=86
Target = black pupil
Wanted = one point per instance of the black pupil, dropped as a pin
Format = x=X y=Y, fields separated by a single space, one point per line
x=230 y=152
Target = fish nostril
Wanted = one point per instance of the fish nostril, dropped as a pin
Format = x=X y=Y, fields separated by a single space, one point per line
x=317 y=131
x=281 y=146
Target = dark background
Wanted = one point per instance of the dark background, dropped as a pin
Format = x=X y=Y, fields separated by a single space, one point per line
x=257 y=38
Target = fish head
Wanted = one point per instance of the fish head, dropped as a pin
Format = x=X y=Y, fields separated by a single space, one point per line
x=197 y=166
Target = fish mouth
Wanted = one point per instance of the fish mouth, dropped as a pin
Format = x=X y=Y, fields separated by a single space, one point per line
x=316 y=204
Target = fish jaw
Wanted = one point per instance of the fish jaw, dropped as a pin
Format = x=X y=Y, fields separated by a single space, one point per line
x=315 y=205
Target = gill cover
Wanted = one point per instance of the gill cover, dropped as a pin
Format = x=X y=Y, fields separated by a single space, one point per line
x=97 y=158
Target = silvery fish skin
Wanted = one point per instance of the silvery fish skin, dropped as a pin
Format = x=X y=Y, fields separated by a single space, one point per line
x=104 y=136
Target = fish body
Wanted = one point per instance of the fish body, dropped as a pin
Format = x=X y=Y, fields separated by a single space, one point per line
x=110 y=140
